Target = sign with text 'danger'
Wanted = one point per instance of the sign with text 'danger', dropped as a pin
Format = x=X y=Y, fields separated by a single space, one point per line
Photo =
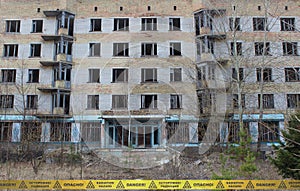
x=150 y=184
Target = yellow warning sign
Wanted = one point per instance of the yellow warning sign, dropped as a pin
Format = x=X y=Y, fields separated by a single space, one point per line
x=150 y=184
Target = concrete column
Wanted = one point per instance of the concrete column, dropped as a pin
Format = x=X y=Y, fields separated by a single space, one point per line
x=45 y=132
x=281 y=128
x=193 y=132
x=102 y=139
x=75 y=133
x=16 y=132
x=163 y=133
x=224 y=132
x=253 y=127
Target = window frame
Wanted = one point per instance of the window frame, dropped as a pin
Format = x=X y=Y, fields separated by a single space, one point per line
x=173 y=22
x=33 y=75
x=93 y=102
x=264 y=74
x=8 y=75
x=31 y=101
x=268 y=101
x=35 y=50
x=239 y=48
x=13 y=29
x=174 y=72
x=262 y=48
x=293 y=101
x=149 y=24
x=118 y=23
x=147 y=105
x=260 y=24
x=241 y=74
x=235 y=102
x=290 y=45
x=116 y=75
x=269 y=133
x=5 y=131
x=145 y=73
x=6 y=101
x=8 y=48
x=175 y=49
x=124 y=47
x=93 y=46
x=236 y=25
x=37 y=26
x=292 y=74
x=145 y=51
x=119 y=102
x=94 y=26
x=175 y=101
x=92 y=77
x=287 y=24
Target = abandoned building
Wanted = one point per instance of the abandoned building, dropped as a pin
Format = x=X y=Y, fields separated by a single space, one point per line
x=147 y=74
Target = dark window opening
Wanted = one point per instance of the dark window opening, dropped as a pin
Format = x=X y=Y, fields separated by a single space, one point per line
x=120 y=75
x=149 y=24
x=8 y=75
x=176 y=101
x=11 y=50
x=290 y=48
x=264 y=74
x=234 y=24
x=35 y=50
x=93 y=102
x=121 y=24
x=287 y=24
x=260 y=24
x=149 y=49
x=149 y=101
x=175 y=49
x=262 y=49
x=13 y=26
x=149 y=75
x=235 y=75
x=95 y=25
x=121 y=49
x=33 y=75
x=94 y=75
x=6 y=101
x=174 y=24
x=37 y=26
x=60 y=132
x=95 y=49
x=268 y=101
x=119 y=101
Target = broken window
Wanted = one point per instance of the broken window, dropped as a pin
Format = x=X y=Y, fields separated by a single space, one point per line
x=31 y=132
x=234 y=131
x=5 y=131
x=236 y=49
x=6 y=101
x=119 y=101
x=293 y=100
x=260 y=24
x=175 y=101
x=91 y=132
x=211 y=74
x=13 y=26
x=121 y=24
x=93 y=102
x=149 y=75
x=207 y=45
x=175 y=49
x=234 y=24
x=33 y=76
x=175 y=74
x=262 y=49
x=121 y=49
x=149 y=101
x=174 y=24
x=95 y=25
x=149 y=24
x=264 y=74
x=208 y=132
x=235 y=75
x=287 y=24
x=61 y=100
x=269 y=131
x=11 y=50
x=32 y=102
x=8 y=76
x=37 y=26
x=235 y=101
x=177 y=132
x=292 y=74
x=120 y=75
x=290 y=48
x=149 y=49
x=60 y=132
x=268 y=101
x=95 y=49
x=35 y=50
x=94 y=75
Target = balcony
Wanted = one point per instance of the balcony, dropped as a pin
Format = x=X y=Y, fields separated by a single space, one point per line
x=61 y=85
x=63 y=57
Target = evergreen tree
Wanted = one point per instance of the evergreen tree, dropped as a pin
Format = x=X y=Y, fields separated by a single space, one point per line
x=287 y=158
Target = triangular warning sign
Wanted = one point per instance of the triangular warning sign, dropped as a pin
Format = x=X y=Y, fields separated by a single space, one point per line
x=220 y=185
x=282 y=185
x=250 y=185
x=152 y=185
x=120 y=185
x=57 y=185
x=23 y=185
x=90 y=185
x=187 y=185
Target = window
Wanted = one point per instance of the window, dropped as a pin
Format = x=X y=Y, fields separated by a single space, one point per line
x=175 y=75
x=211 y=73
x=32 y=102
x=121 y=49
x=207 y=46
x=174 y=24
x=120 y=75
x=177 y=132
x=292 y=74
x=35 y=50
x=234 y=131
x=236 y=49
x=119 y=101
x=260 y=24
x=60 y=132
x=262 y=49
x=37 y=26
x=175 y=49
x=149 y=24
x=293 y=100
x=264 y=74
x=13 y=26
x=31 y=132
x=235 y=74
x=121 y=24
x=93 y=102
x=94 y=75
x=235 y=101
x=269 y=131
x=149 y=101
x=176 y=101
x=91 y=132
x=287 y=24
x=149 y=49
x=290 y=48
x=268 y=101
x=149 y=75
x=95 y=25
x=234 y=24
x=6 y=101
x=95 y=49
x=8 y=75
x=11 y=50
x=5 y=131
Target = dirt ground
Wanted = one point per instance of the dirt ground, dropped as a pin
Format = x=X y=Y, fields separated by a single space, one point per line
x=186 y=166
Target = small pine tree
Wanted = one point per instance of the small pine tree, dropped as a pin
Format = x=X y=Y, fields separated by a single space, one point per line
x=287 y=158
